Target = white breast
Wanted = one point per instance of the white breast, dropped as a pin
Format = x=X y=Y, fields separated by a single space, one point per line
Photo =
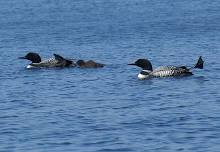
x=30 y=67
x=141 y=76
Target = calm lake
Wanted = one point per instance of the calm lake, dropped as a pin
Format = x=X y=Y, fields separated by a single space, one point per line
x=109 y=109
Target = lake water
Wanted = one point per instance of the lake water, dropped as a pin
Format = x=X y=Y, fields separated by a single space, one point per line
x=109 y=109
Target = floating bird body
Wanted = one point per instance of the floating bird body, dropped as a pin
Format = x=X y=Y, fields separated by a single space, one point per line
x=57 y=61
x=164 y=71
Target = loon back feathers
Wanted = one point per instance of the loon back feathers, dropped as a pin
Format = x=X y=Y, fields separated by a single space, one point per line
x=58 y=61
x=51 y=62
x=167 y=71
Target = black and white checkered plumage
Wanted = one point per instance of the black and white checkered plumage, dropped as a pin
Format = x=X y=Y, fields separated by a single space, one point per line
x=57 y=61
x=164 y=71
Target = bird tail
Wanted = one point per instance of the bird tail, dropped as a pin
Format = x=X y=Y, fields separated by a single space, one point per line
x=199 y=64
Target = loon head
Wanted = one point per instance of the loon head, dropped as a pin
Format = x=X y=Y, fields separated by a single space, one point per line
x=145 y=64
x=34 y=57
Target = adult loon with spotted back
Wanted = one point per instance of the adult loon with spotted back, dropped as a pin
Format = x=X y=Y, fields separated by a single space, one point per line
x=164 y=71
x=57 y=61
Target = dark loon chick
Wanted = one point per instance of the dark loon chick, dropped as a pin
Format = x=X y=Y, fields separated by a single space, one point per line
x=89 y=64
x=57 y=61
x=164 y=71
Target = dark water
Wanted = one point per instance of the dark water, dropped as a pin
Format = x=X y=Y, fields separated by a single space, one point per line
x=102 y=110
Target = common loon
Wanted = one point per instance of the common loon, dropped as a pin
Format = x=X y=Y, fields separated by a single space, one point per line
x=89 y=64
x=164 y=71
x=57 y=61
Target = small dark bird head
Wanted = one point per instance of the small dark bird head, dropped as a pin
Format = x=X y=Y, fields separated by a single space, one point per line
x=64 y=62
x=34 y=57
x=80 y=63
x=145 y=64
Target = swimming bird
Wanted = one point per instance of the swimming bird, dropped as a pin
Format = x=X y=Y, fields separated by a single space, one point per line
x=57 y=61
x=164 y=71
x=89 y=64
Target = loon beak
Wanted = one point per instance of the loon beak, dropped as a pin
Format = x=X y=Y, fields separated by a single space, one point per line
x=22 y=57
x=131 y=64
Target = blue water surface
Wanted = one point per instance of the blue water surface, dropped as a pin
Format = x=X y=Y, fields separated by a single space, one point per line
x=109 y=109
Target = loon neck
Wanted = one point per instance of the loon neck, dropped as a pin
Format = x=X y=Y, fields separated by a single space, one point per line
x=150 y=69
